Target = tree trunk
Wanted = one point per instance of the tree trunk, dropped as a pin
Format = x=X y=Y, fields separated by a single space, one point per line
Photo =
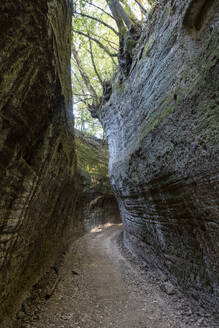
x=84 y=75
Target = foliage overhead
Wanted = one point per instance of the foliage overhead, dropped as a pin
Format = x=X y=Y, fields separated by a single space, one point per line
x=101 y=29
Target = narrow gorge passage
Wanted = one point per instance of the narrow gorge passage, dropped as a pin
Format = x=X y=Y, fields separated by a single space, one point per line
x=153 y=87
x=100 y=288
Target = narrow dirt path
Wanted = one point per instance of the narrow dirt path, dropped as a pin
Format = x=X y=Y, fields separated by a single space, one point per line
x=100 y=288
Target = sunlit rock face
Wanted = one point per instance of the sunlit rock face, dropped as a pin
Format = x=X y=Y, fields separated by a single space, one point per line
x=162 y=124
x=37 y=159
x=96 y=204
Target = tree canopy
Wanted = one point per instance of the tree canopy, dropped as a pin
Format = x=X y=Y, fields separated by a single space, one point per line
x=100 y=28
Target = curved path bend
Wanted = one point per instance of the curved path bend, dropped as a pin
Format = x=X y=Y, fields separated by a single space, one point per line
x=101 y=288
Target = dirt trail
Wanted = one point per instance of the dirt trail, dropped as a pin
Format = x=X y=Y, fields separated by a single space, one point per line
x=101 y=288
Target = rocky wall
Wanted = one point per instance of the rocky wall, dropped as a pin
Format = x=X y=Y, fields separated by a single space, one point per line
x=37 y=156
x=162 y=124
x=96 y=204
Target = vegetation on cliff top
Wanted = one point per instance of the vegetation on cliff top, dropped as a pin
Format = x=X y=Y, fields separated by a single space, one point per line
x=104 y=32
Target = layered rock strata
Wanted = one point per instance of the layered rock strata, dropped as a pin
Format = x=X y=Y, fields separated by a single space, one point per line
x=96 y=204
x=162 y=124
x=37 y=157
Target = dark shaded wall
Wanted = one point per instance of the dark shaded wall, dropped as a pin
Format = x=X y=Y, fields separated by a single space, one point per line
x=37 y=158
x=162 y=124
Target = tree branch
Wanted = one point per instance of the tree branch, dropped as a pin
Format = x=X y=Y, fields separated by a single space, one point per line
x=97 y=41
x=111 y=43
x=117 y=16
x=105 y=12
x=94 y=65
x=127 y=9
x=98 y=20
x=143 y=10
x=83 y=74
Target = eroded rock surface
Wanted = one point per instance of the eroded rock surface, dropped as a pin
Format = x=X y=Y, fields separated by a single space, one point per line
x=96 y=204
x=95 y=208
x=162 y=128
x=37 y=158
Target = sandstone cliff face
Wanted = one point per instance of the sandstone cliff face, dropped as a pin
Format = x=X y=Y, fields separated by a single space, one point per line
x=37 y=159
x=162 y=124
x=96 y=203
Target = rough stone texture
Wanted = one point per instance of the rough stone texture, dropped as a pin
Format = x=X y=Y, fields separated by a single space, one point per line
x=96 y=204
x=37 y=158
x=162 y=124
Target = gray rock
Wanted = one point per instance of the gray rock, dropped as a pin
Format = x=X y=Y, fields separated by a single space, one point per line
x=157 y=121
x=37 y=156
x=168 y=288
